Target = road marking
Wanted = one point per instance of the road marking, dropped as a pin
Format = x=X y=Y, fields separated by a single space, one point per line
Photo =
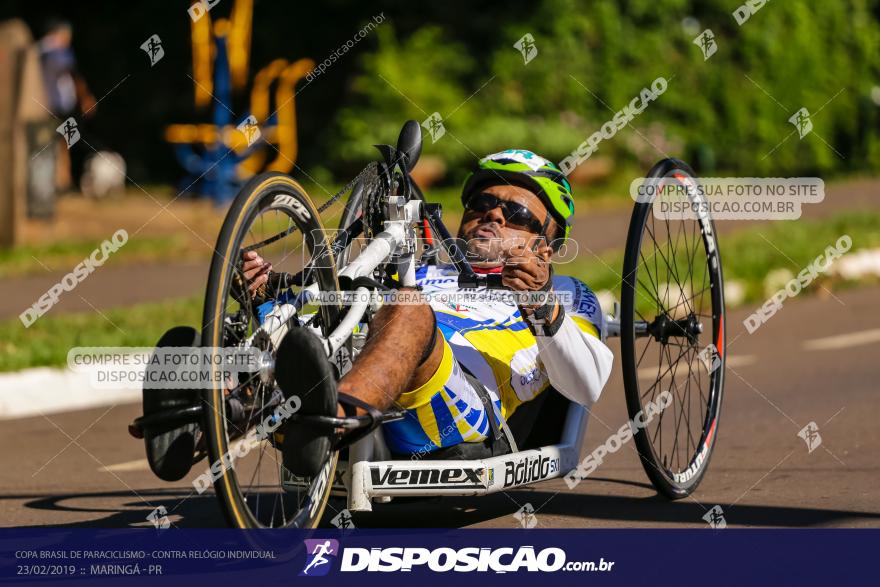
x=842 y=341
x=45 y=391
x=732 y=361
x=138 y=465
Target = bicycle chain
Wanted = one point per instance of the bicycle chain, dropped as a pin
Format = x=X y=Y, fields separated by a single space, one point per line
x=350 y=185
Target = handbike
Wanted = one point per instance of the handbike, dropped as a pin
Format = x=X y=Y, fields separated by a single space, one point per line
x=670 y=322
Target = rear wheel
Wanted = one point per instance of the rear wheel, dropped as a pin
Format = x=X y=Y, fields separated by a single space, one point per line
x=272 y=215
x=672 y=335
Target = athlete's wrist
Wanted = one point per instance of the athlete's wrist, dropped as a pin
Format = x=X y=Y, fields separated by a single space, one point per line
x=544 y=317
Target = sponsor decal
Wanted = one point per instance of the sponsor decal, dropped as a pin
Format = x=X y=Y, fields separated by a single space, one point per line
x=292 y=204
x=319 y=487
x=531 y=469
x=437 y=281
x=689 y=473
x=441 y=478
x=527 y=377
x=588 y=304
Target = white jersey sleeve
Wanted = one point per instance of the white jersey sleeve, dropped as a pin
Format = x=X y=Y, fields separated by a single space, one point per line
x=576 y=360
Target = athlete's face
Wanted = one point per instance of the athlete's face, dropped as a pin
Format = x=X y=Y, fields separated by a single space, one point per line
x=491 y=234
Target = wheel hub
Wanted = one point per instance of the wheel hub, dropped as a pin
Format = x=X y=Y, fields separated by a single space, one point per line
x=663 y=327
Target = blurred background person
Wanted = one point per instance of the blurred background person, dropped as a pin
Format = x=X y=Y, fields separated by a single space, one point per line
x=66 y=89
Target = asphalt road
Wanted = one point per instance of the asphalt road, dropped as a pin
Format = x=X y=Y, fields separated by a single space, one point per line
x=815 y=361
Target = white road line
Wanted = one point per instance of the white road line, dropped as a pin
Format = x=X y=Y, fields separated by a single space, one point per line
x=44 y=390
x=732 y=361
x=138 y=465
x=842 y=341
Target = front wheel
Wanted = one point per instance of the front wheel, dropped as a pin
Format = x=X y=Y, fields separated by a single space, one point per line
x=672 y=334
x=273 y=216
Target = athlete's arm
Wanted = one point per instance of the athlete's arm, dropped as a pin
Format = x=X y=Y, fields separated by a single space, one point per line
x=578 y=363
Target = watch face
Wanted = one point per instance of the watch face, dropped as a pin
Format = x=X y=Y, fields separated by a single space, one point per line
x=544 y=312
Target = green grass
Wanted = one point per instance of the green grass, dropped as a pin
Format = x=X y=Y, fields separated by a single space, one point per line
x=65 y=255
x=747 y=256
x=48 y=340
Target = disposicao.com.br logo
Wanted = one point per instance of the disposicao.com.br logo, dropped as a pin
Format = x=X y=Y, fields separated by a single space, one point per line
x=319 y=555
x=443 y=559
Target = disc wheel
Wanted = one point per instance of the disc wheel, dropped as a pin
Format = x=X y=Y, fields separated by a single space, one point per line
x=274 y=216
x=672 y=335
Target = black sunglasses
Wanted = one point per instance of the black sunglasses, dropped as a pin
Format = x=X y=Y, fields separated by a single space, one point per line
x=515 y=215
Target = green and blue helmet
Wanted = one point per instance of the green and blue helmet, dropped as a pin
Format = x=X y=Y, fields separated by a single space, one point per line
x=533 y=172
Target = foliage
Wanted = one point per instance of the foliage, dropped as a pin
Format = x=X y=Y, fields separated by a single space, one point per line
x=727 y=114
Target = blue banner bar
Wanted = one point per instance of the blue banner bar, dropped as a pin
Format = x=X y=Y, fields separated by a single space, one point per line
x=438 y=557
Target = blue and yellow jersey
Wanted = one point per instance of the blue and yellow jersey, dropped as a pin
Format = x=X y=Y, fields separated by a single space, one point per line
x=484 y=334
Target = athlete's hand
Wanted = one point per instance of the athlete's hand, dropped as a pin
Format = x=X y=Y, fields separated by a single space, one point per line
x=525 y=269
x=255 y=269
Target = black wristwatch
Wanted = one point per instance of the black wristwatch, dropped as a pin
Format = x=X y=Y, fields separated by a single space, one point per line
x=540 y=320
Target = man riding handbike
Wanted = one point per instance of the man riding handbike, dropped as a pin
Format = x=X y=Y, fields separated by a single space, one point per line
x=477 y=372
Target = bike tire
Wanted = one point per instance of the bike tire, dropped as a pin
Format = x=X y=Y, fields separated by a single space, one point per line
x=276 y=192
x=678 y=474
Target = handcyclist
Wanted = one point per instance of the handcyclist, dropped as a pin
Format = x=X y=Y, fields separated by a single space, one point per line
x=484 y=373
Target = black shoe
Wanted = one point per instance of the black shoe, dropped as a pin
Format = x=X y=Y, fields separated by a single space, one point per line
x=302 y=369
x=170 y=447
